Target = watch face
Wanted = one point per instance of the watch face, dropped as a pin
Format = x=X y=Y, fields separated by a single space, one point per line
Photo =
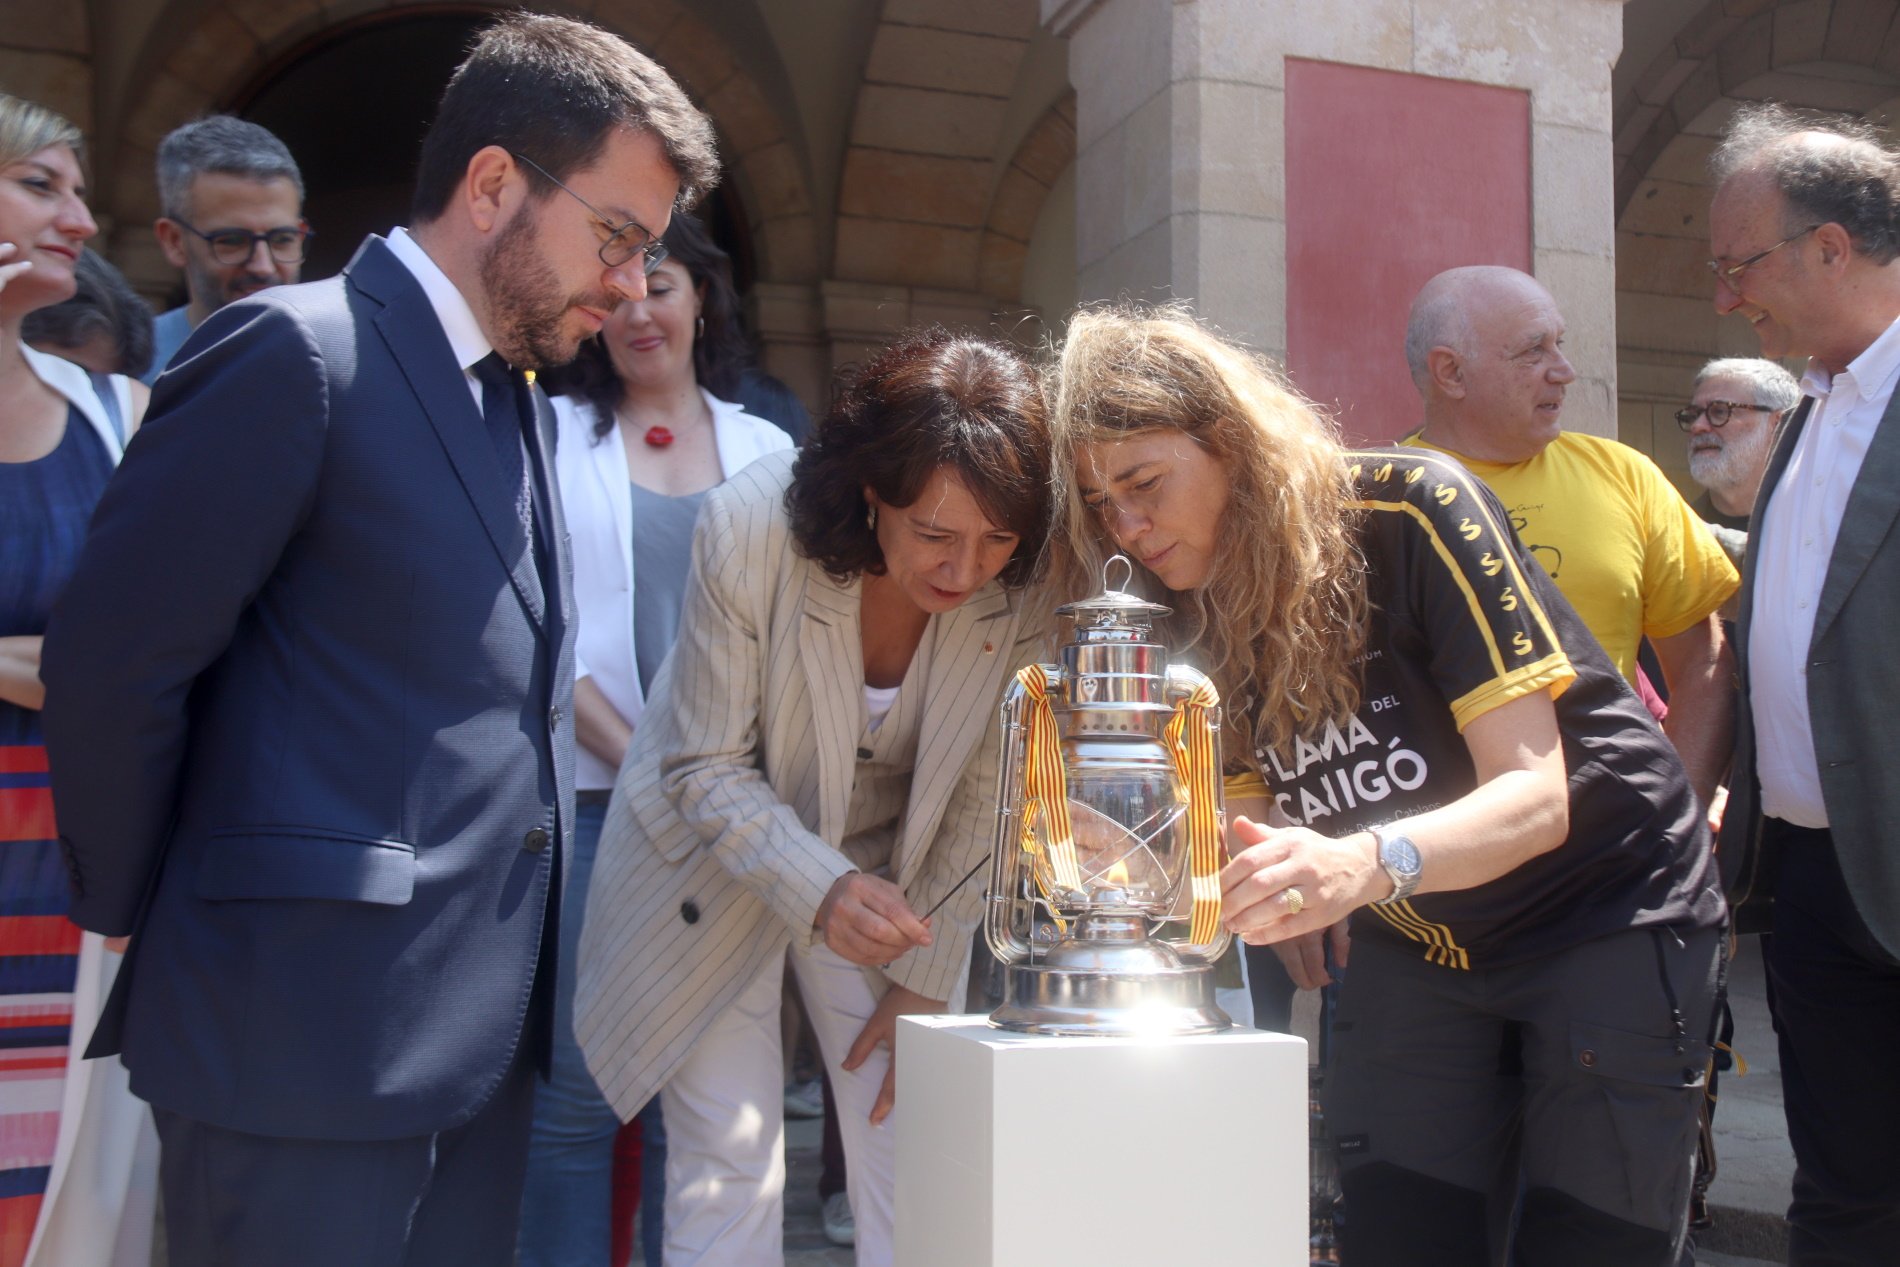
x=1401 y=855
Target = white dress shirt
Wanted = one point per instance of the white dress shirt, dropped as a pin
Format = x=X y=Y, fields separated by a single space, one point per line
x=1794 y=545
x=466 y=339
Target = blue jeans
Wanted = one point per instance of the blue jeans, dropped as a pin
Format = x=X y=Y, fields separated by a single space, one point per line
x=567 y=1205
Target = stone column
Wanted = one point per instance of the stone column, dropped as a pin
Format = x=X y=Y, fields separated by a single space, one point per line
x=1182 y=151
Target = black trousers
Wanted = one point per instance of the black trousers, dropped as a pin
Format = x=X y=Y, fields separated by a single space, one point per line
x=1565 y=1091
x=1835 y=996
x=452 y=1199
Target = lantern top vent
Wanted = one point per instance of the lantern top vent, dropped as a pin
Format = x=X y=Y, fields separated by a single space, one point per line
x=1114 y=614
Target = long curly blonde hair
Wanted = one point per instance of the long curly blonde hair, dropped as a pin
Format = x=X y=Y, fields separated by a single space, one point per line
x=1280 y=623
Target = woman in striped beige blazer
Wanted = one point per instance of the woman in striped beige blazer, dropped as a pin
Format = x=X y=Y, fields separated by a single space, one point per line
x=816 y=767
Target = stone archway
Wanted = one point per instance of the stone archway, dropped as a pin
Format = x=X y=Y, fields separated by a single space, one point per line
x=1834 y=55
x=1731 y=43
x=937 y=194
x=1039 y=161
x=920 y=171
x=222 y=45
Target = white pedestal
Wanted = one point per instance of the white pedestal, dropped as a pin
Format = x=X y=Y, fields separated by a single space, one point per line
x=1016 y=1150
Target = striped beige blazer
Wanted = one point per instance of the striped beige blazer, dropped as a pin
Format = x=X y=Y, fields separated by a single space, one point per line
x=723 y=834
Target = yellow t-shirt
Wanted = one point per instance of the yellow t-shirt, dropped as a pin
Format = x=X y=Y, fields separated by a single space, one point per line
x=1615 y=535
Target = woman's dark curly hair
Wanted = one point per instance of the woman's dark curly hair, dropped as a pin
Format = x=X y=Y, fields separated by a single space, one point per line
x=932 y=399
x=720 y=351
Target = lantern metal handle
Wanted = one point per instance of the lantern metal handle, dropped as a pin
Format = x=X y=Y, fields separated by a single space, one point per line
x=1183 y=681
x=1007 y=871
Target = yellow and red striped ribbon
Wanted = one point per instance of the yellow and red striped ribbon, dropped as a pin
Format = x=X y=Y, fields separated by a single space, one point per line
x=1045 y=790
x=1190 y=738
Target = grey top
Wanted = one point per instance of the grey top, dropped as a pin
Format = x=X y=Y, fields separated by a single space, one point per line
x=169 y=331
x=662 y=556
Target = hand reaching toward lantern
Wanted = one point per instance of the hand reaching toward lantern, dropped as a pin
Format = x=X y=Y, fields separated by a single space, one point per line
x=1288 y=881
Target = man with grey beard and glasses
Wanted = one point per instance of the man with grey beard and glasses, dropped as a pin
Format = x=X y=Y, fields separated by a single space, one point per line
x=1731 y=421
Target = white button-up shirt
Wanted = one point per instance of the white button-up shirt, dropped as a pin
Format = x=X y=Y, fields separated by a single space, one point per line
x=1794 y=544
x=466 y=339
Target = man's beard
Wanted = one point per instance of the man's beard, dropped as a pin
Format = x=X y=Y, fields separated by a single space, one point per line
x=1736 y=467
x=525 y=301
x=206 y=280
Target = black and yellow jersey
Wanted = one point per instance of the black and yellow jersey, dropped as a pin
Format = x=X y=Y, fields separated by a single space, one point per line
x=1462 y=621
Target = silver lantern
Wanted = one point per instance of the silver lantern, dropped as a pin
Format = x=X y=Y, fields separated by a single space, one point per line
x=1108 y=834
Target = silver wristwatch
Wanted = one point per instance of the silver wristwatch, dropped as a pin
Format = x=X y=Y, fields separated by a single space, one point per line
x=1399 y=856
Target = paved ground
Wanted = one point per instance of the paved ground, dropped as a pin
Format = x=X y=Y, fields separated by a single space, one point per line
x=805 y=1243
x=1754 y=1165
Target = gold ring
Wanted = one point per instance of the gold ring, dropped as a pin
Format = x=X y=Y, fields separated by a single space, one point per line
x=1295 y=901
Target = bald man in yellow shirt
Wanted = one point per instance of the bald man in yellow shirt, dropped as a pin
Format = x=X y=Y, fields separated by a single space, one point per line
x=1485 y=348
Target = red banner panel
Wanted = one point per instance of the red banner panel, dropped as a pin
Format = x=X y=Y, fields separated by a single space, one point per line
x=1390 y=179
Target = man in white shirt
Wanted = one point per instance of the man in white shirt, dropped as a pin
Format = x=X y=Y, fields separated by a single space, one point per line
x=1806 y=246
x=312 y=686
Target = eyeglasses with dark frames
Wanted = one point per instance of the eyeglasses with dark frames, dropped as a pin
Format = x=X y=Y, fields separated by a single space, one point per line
x=1718 y=412
x=1730 y=274
x=231 y=247
x=624 y=241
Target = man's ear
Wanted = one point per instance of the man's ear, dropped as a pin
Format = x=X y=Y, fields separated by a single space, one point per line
x=1834 y=242
x=492 y=187
x=1446 y=372
x=171 y=240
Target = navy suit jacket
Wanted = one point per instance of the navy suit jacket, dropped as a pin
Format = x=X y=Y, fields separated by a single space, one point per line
x=309 y=713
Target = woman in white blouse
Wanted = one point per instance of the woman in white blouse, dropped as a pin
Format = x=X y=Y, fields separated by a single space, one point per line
x=644 y=433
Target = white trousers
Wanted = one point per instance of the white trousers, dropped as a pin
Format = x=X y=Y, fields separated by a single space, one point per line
x=725 y=1125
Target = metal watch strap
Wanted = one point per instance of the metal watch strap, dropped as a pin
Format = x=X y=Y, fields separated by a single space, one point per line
x=1403 y=886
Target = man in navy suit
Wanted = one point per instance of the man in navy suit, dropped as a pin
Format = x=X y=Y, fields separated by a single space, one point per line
x=309 y=691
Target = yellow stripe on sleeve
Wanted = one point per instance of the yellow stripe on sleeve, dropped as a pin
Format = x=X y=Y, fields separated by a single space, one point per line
x=1553 y=673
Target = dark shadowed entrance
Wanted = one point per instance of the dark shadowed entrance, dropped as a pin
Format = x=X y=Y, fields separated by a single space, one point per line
x=353 y=103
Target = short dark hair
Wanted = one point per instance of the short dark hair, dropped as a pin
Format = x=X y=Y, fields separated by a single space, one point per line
x=104 y=303
x=554 y=89
x=720 y=351
x=223 y=144
x=1830 y=169
x=932 y=399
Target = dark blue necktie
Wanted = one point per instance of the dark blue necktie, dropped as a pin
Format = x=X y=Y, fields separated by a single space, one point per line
x=505 y=408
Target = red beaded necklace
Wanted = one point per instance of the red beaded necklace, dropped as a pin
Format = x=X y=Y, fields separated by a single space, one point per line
x=660 y=436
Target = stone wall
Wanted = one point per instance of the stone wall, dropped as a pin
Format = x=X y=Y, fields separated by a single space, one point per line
x=1180 y=170
x=899 y=177
x=46 y=56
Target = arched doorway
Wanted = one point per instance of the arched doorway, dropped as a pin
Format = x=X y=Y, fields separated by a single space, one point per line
x=353 y=104
x=1827 y=58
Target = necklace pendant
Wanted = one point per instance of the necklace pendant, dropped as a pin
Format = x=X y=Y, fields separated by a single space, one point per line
x=658 y=437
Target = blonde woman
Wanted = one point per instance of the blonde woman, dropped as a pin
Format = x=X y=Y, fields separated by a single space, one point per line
x=1461 y=778
x=79 y=1153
